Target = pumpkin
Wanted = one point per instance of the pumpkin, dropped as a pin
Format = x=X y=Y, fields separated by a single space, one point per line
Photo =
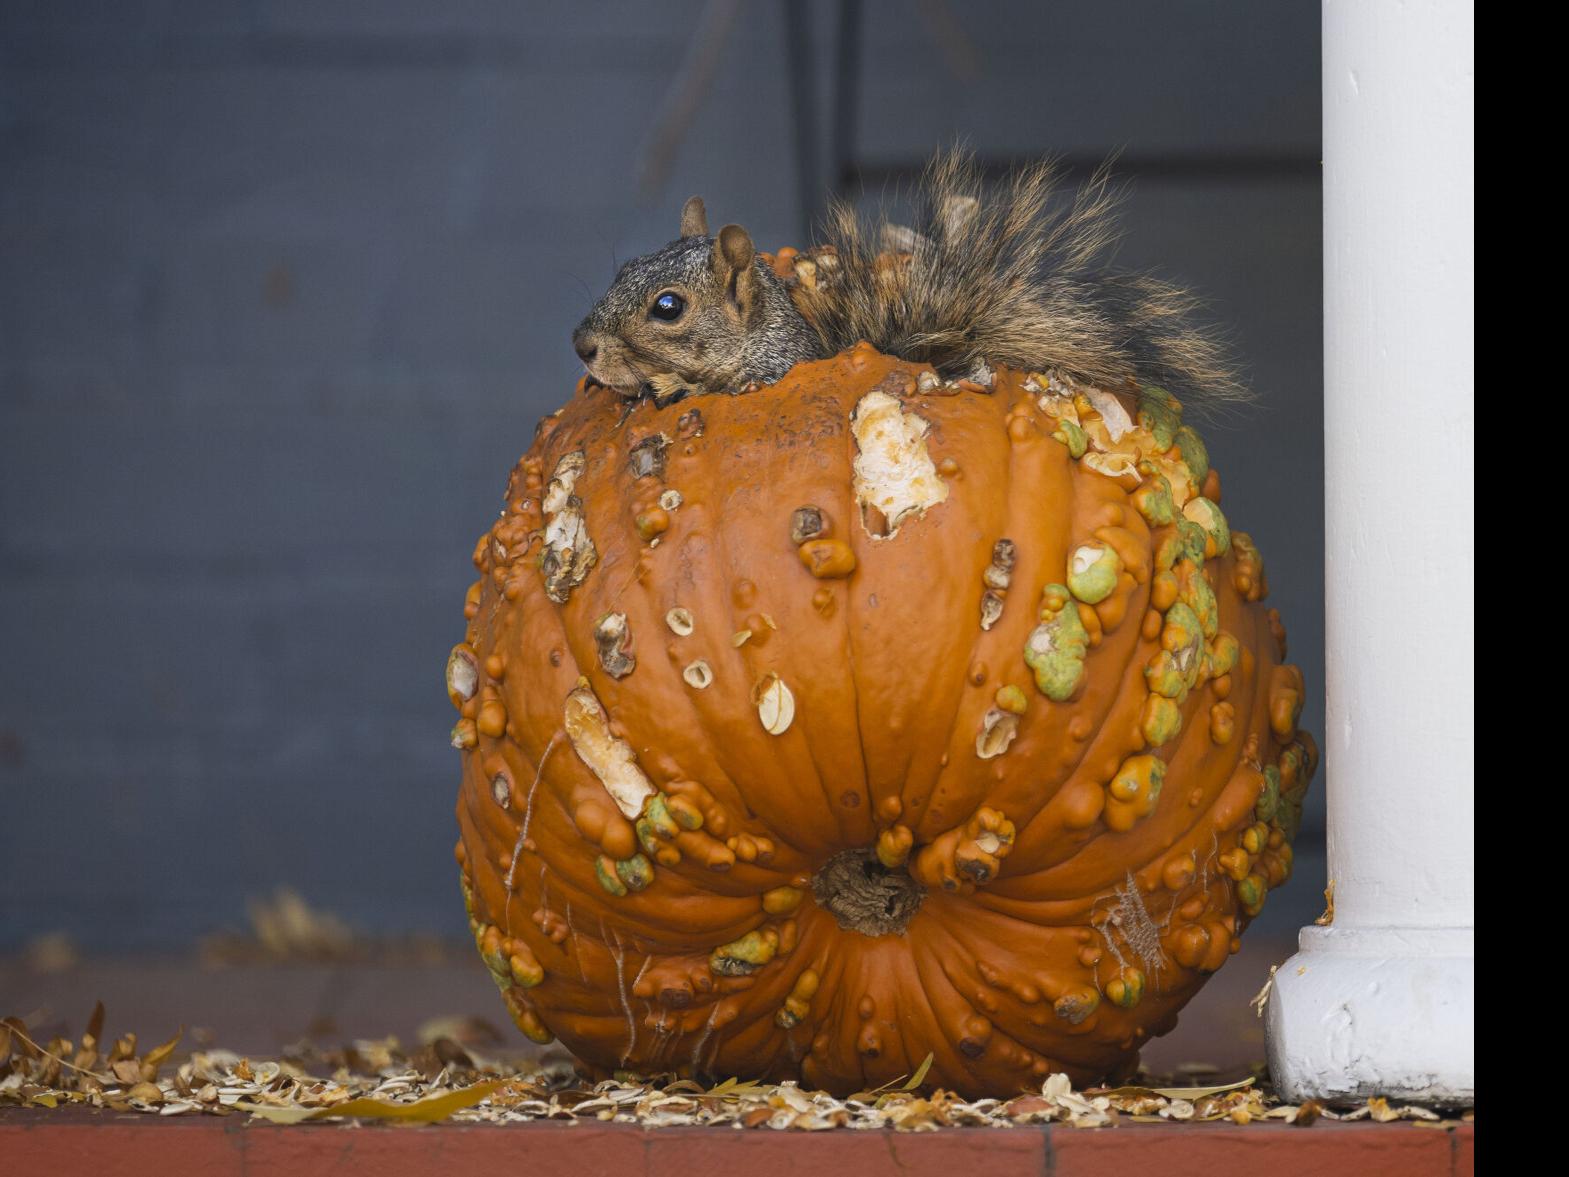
x=863 y=721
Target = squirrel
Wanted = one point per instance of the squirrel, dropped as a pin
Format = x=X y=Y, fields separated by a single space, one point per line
x=1010 y=280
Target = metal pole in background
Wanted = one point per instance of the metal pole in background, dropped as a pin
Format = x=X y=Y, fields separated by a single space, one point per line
x=803 y=107
x=846 y=96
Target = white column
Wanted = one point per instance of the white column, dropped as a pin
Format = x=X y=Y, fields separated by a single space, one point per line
x=1382 y=1000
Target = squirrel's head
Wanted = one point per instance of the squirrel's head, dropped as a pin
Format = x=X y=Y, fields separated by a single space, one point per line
x=680 y=315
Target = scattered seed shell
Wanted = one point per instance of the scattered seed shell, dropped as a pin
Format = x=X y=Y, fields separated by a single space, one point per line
x=775 y=706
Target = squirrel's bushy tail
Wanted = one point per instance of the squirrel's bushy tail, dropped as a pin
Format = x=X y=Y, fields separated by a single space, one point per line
x=1008 y=275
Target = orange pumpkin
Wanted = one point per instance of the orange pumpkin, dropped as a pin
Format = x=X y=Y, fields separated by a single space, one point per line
x=860 y=718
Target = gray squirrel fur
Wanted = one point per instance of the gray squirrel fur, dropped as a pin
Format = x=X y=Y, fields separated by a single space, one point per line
x=1007 y=276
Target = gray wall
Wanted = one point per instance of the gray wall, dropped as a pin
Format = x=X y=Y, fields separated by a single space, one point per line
x=285 y=285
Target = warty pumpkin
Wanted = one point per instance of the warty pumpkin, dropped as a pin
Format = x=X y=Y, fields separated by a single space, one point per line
x=862 y=717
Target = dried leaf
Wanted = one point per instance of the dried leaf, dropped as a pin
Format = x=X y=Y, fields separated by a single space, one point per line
x=16 y=1038
x=378 y=1079
x=95 y=1026
x=1196 y=1093
x=1261 y=999
x=422 y=1111
x=1328 y=917
x=920 y=1073
x=158 y=1055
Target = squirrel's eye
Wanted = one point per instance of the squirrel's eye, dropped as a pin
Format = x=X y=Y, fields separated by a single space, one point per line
x=668 y=306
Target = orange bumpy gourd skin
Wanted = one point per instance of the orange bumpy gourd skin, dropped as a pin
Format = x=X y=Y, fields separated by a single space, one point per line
x=747 y=677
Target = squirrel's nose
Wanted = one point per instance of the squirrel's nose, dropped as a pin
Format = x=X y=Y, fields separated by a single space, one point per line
x=583 y=343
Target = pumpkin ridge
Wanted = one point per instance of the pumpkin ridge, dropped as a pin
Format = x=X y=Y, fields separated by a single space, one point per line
x=1192 y=735
x=708 y=708
x=704 y=709
x=1035 y=471
x=1109 y=741
x=1197 y=734
x=860 y=372
x=831 y=804
x=920 y=551
x=856 y=538
x=956 y=986
x=958 y=748
x=731 y=561
x=827 y=1008
x=807 y=716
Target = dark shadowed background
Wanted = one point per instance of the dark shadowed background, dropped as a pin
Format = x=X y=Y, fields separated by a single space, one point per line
x=285 y=285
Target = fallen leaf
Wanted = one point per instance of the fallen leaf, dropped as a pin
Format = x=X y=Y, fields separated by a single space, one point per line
x=1379 y=1109
x=1262 y=999
x=422 y=1111
x=95 y=1026
x=1328 y=917
x=1193 y=1093
x=920 y=1072
x=158 y=1055
x=16 y=1038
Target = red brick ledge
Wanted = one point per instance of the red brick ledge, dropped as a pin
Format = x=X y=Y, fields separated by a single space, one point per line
x=72 y=1141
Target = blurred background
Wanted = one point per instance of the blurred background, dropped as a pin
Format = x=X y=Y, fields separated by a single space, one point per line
x=286 y=284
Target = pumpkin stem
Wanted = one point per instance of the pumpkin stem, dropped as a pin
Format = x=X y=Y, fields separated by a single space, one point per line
x=865 y=896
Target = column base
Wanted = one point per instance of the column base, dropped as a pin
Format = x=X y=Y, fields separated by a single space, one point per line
x=1376 y=1011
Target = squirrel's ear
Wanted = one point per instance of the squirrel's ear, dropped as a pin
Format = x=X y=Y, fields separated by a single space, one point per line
x=733 y=249
x=694 y=218
x=734 y=254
